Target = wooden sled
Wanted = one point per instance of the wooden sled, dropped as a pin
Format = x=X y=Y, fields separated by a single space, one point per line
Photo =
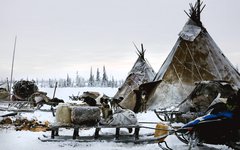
x=21 y=106
x=169 y=116
x=16 y=104
x=134 y=137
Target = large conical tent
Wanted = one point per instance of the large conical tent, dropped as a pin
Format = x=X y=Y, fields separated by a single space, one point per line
x=195 y=57
x=141 y=72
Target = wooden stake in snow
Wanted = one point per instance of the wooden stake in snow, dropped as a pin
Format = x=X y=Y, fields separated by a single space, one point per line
x=11 y=80
x=54 y=92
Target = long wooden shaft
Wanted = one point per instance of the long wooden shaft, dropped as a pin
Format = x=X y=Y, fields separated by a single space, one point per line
x=13 y=58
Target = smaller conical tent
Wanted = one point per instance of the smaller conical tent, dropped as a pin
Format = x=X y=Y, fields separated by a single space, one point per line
x=195 y=57
x=141 y=72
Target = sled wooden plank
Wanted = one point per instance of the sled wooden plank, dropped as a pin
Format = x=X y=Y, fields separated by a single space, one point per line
x=9 y=114
x=9 y=101
x=65 y=140
x=110 y=138
x=16 y=110
x=10 y=105
x=117 y=133
x=24 y=110
x=55 y=130
x=16 y=106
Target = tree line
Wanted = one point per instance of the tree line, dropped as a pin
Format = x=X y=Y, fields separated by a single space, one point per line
x=94 y=80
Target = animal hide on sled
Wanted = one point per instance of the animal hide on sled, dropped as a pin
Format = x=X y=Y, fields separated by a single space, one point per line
x=63 y=113
x=85 y=115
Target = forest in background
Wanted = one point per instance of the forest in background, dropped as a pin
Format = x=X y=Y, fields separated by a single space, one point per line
x=94 y=80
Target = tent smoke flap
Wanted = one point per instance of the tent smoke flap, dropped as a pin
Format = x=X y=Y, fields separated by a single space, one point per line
x=190 y=32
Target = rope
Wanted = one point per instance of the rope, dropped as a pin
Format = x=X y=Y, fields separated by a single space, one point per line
x=170 y=130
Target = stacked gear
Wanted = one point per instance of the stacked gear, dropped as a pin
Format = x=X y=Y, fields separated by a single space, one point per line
x=22 y=89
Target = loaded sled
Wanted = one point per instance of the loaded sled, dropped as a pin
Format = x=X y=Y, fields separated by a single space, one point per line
x=26 y=98
x=220 y=125
x=220 y=128
x=122 y=126
x=122 y=137
x=16 y=106
x=26 y=106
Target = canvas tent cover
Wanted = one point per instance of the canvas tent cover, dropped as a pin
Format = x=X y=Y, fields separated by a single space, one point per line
x=195 y=57
x=141 y=72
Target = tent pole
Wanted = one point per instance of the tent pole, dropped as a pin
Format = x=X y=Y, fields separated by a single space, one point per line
x=199 y=10
x=179 y=79
x=11 y=79
x=194 y=62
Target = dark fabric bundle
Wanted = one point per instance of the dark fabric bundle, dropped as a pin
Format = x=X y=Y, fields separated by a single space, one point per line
x=24 y=89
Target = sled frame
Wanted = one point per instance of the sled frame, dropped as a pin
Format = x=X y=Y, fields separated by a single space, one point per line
x=134 y=137
x=167 y=116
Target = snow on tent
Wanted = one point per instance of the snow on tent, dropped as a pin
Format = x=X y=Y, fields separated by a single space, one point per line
x=195 y=57
x=140 y=73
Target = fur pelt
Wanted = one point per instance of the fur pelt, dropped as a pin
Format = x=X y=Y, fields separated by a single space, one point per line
x=87 y=115
x=63 y=113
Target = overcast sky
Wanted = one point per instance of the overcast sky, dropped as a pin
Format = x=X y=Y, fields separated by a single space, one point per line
x=60 y=37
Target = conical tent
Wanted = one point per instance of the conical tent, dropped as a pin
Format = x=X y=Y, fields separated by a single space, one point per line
x=141 y=72
x=195 y=57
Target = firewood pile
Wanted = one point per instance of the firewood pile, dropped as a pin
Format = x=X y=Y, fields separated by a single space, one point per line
x=23 y=124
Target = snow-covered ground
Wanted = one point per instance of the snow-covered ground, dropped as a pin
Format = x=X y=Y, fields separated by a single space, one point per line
x=26 y=140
